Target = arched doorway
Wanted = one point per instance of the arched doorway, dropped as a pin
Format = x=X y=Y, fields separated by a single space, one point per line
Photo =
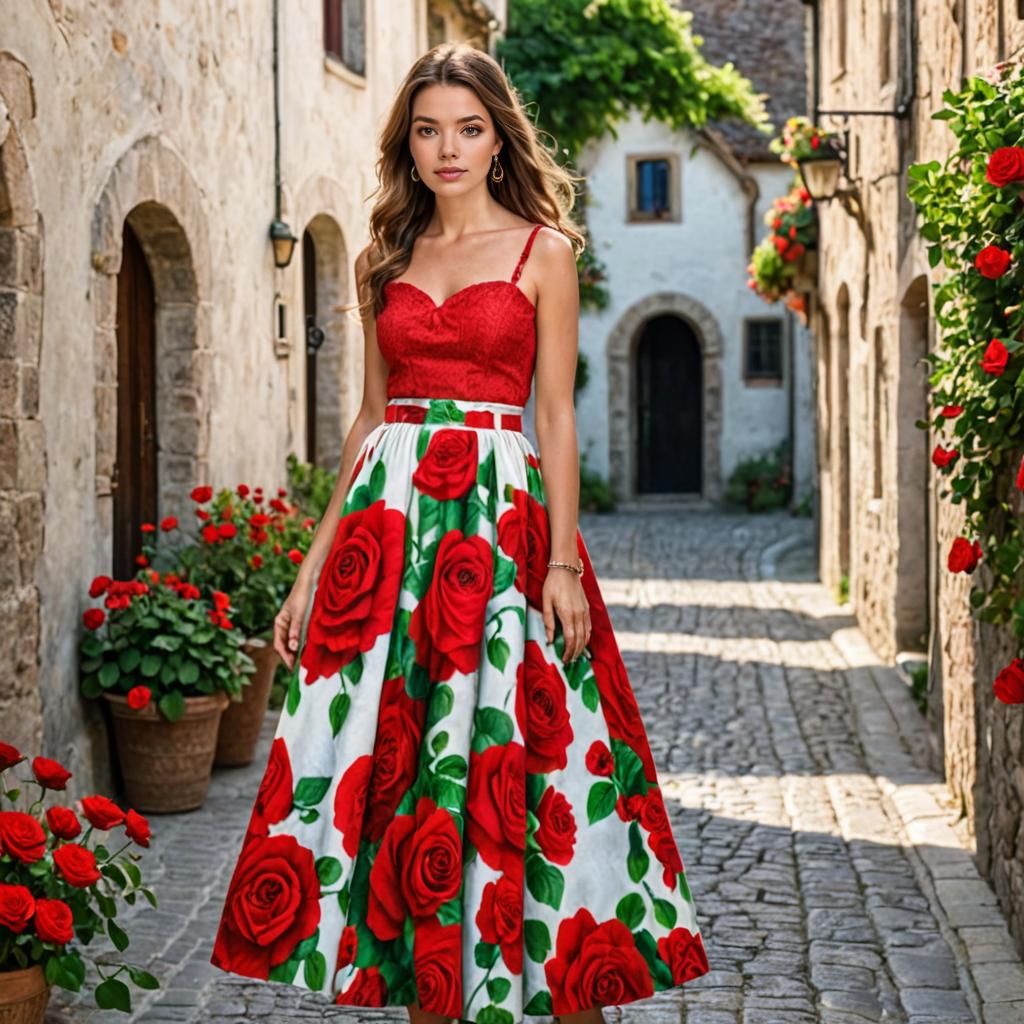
x=669 y=389
x=313 y=337
x=135 y=472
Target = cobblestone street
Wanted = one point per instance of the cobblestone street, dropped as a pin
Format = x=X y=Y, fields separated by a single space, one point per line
x=831 y=880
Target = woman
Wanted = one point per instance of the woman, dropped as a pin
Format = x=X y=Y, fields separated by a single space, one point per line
x=460 y=813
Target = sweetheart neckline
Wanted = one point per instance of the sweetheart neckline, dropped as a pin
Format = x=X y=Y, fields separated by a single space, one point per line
x=466 y=288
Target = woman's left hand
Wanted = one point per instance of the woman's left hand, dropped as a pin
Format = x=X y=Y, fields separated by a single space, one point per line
x=563 y=596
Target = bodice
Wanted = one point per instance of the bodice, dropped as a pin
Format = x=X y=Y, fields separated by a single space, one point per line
x=479 y=344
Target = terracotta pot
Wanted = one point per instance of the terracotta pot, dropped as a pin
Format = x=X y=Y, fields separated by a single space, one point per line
x=166 y=765
x=240 y=724
x=24 y=996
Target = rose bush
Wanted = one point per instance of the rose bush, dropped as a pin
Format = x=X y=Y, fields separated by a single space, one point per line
x=58 y=892
x=972 y=218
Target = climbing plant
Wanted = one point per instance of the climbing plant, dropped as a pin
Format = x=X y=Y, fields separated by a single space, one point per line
x=972 y=217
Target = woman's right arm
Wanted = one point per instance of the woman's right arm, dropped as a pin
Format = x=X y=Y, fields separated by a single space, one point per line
x=288 y=622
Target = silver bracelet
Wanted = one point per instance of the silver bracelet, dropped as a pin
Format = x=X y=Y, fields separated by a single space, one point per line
x=578 y=569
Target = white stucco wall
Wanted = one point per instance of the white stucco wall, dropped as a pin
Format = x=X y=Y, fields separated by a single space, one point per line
x=704 y=257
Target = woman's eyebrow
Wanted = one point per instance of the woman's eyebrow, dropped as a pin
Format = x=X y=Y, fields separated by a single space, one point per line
x=433 y=120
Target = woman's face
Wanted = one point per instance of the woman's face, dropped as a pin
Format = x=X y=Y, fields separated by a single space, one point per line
x=451 y=130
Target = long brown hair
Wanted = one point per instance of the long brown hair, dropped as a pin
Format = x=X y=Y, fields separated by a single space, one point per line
x=534 y=185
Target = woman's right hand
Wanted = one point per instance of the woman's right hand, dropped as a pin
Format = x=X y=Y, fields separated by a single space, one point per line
x=288 y=623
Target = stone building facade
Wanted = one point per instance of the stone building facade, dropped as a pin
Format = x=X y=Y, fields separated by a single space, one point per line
x=884 y=530
x=148 y=342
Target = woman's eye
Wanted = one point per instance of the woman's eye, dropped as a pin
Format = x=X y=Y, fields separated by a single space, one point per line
x=470 y=127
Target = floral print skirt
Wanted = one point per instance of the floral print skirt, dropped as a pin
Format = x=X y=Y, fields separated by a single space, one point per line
x=450 y=815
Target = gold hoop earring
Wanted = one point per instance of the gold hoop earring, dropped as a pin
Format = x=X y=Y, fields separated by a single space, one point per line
x=497 y=167
x=413 y=174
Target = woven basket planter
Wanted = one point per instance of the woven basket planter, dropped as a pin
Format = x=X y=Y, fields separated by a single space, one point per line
x=240 y=724
x=24 y=996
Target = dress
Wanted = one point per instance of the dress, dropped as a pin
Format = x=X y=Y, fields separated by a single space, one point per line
x=448 y=813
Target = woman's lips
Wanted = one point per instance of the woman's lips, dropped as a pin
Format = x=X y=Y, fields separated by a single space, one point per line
x=450 y=175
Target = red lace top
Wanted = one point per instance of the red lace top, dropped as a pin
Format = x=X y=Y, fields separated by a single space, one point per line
x=479 y=344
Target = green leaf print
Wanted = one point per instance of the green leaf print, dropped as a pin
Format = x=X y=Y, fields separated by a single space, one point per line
x=285 y=972
x=486 y=954
x=315 y=970
x=338 y=712
x=638 y=860
x=504 y=573
x=444 y=411
x=538 y=940
x=485 y=471
x=630 y=910
x=417 y=682
x=328 y=870
x=430 y=515
x=378 y=477
x=447 y=793
x=490 y=726
x=452 y=513
x=648 y=948
x=498 y=652
x=575 y=672
x=600 y=801
x=306 y=946
x=311 y=790
x=439 y=742
x=353 y=671
x=536 y=783
x=497 y=989
x=422 y=443
x=629 y=769
x=534 y=483
x=451 y=911
x=308 y=816
x=544 y=881
x=494 y=1015
x=474 y=509
x=684 y=887
x=664 y=913
x=358 y=499
x=442 y=700
x=454 y=765
x=539 y=1004
x=591 y=695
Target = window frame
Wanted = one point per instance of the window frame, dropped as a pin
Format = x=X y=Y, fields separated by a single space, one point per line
x=634 y=215
x=763 y=379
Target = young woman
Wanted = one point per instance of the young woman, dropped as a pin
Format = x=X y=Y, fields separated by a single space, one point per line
x=460 y=812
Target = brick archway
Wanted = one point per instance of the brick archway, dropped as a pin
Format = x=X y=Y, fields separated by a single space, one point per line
x=151 y=188
x=621 y=354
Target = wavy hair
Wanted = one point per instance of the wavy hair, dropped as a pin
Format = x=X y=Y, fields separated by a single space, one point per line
x=534 y=185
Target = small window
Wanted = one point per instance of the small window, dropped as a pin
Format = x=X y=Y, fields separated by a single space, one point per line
x=763 y=351
x=653 y=182
x=345 y=32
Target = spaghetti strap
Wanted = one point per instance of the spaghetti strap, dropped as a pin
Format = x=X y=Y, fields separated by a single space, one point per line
x=525 y=252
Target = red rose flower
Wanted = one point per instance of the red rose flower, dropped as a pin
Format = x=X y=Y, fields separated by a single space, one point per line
x=952 y=411
x=496 y=805
x=963 y=555
x=54 y=921
x=136 y=827
x=524 y=534
x=273 y=801
x=546 y=728
x=17 y=905
x=295 y=556
x=1020 y=476
x=210 y=533
x=663 y=846
x=63 y=822
x=1009 y=684
x=77 y=864
x=148 y=527
x=500 y=919
x=9 y=756
x=350 y=802
x=447 y=623
x=169 y=523
x=99 y=585
x=1005 y=165
x=201 y=495
x=243 y=490
x=227 y=530
x=995 y=359
x=595 y=965
x=49 y=773
x=942 y=457
x=628 y=808
x=368 y=988
x=102 y=812
x=556 y=833
x=437 y=960
x=357 y=589
x=348 y=944
x=21 y=836
x=449 y=465
x=138 y=696
x=992 y=262
x=653 y=816
x=684 y=953
x=599 y=759
x=93 y=618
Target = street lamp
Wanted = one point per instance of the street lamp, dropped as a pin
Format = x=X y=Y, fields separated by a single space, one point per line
x=283 y=240
x=822 y=169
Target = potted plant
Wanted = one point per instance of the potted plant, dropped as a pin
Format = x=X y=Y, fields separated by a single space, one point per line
x=785 y=261
x=58 y=892
x=249 y=548
x=167 y=659
x=801 y=141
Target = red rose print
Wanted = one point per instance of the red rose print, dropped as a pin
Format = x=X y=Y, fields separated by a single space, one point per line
x=496 y=805
x=618 y=703
x=63 y=822
x=368 y=989
x=556 y=833
x=684 y=953
x=546 y=728
x=628 y=808
x=599 y=759
x=449 y=465
x=348 y=944
x=137 y=828
x=992 y=262
x=963 y=555
x=500 y=919
x=102 y=812
x=524 y=534
x=21 y=836
x=350 y=802
x=272 y=904
x=386 y=910
x=663 y=846
x=437 y=956
x=77 y=864
x=1005 y=164
x=395 y=754
x=653 y=816
x=995 y=359
x=595 y=965
x=274 y=799
x=942 y=457
x=357 y=589
x=17 y=905
x=54 y=921
x=447 y=623
x=1009 y=684
x=49 y=773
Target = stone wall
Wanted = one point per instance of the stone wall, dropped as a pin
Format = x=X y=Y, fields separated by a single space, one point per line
x=884 y=520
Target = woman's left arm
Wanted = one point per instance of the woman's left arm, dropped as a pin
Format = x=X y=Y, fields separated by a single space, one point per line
x=558 y=303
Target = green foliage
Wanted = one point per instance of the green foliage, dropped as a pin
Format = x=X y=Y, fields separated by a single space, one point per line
x=763 y=482
x=311 y=486
x=595 y=491
x=961 y=213
x=802 y=140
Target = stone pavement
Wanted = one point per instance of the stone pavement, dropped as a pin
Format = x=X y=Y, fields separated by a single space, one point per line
x=831 y=879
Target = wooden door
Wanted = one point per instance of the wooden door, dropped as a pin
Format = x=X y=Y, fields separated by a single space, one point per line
x=670 y=388
x=309 y=319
